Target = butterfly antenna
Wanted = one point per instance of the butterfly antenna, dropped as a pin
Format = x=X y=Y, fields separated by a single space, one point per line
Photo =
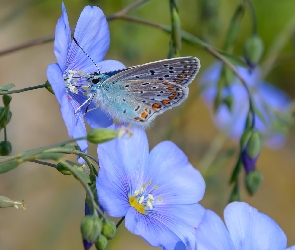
x=86 y=53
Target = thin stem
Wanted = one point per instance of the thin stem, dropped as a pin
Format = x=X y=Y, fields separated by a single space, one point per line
x=232 y=67
x=127 y=9
x=253 y=14
x=85 y=185
x=50 y=38
x=22 y=90
x=120 y=221
x=5 y=134
x=45 y=163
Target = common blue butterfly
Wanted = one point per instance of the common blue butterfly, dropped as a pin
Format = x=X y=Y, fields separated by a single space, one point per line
x=136 y=94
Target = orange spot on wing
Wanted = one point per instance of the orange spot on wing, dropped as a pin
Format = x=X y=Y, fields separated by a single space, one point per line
x=144 y=115
x=170 y=88
x=137 y=118
x=165 y=101
x=171 y=97
x=156 y=106
x=180 y=75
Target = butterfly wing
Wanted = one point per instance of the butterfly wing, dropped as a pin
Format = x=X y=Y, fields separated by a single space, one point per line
x=138 y=94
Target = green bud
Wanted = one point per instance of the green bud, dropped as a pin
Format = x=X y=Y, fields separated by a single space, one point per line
x=7 y=166
x=6 y=100
x=109 y=229
x=253 y=181
x=91 y=228
x=5 y=117
x=5 y=148
x=253 y=49
x=7 y=202
x=245 y=138
x=62 y=169
x=228 y=101
x=101 y=243
x=254 y=145
x=100 y=135
x=48 y=87
x=235 y=194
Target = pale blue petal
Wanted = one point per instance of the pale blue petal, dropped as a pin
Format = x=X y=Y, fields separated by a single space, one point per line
x=291 y=248
x=110 y=65
x=252 y=230
x=74 y=123
x=212 y=234
x=167 y=226
x=92 y=34
x=62 y=39
x=177 y=180
x=122 y=164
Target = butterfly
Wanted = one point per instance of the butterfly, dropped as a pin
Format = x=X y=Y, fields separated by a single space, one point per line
x=137 y=94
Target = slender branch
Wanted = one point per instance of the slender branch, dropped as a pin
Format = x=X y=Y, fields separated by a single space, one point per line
x=85 y=185
x=5 y=134
x=22 y=90
x=253 y=14
x=50 y=38
x=45 y=163
x=120 y=221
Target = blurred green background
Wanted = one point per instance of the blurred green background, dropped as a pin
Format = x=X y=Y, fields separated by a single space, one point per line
x=55 y=203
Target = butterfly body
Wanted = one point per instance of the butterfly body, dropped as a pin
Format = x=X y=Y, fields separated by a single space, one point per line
x=137 y=94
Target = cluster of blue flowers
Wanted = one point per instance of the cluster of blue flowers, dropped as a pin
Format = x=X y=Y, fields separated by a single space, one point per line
x=157 y=192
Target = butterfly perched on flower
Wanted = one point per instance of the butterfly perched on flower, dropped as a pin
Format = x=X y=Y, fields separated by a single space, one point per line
x=136 y=94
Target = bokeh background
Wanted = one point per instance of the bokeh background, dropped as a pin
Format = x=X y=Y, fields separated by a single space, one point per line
x=55 y=203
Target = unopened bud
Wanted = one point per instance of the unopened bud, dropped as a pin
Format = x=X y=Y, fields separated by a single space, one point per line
x=6 y=100
x=5 y=148
x=7 y=202
x=48 y=87
x=251 y=147
x=253 y=181
x=100 y=135
x=228 y=101
x=253 y=50
x=91 y=228
x=101 y=243
x=109 y=229
x=5 y=117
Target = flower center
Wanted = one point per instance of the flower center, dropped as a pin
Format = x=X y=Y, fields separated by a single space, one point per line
x=141 y=200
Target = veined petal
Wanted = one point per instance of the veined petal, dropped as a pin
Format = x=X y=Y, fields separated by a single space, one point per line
x=167 y=227
x=74 y=123
x=62 y=39
x=166 y=161
x=98 y=119
x=251 y=230
x=212 y=234
x=92 y=34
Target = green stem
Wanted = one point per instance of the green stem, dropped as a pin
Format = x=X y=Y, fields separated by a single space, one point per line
x=253 y=15
x=45 y=163
x=22 y=90
x=5 y=134
x=85 y=185
x=120 y=221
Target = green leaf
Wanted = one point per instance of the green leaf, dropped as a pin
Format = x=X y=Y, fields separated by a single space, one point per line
x=7 y=166
x=7 y=87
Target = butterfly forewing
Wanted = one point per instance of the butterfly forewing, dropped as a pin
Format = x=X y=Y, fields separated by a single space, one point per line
x=145 y=91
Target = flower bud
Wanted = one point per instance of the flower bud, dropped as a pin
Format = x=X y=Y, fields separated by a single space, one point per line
x=101 y=243
x=253 y=181
x=109 y=229
x=253 y=50
x=6 y=100
x=228 y=101
x=5 y=116
x=251 y=147
x=100 y=135
x=5 y=148
x=48 y=87
x=91 y=228
x=7 y=202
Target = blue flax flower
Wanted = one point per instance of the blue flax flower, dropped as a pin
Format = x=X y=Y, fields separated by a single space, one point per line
x=269 y=101
x=246 y=229
x=157 y=192
x=92 y=34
